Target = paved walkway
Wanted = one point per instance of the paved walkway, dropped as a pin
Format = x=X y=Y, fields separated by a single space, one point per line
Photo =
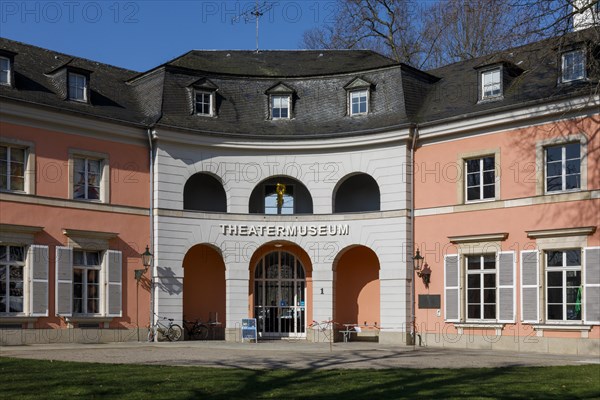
x=283 y=354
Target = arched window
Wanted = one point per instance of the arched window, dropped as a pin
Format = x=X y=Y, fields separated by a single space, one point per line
x=204 y=192
x=280 y=196
x=357 y=193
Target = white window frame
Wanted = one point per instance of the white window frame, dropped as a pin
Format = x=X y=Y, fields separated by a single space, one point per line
x=9 y=162
x=210 y=103
x=104 y=179
x=481 y=272
x=7 y=71
x=564 y=173
x=75 y=83
x=568 y=69
x=19 y=264
x=491 y=87
x=293 y=196
x=358 y=94
x=481 y=180
x=564 y=269
x=84 y=283
x=272 y=105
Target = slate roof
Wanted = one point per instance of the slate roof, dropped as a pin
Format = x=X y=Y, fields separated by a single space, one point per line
x=37 y=79
x=456 y=94
x=282 y=63
x=400 y=95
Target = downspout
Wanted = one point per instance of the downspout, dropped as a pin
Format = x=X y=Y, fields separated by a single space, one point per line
x=150 y=132
x=414 y=130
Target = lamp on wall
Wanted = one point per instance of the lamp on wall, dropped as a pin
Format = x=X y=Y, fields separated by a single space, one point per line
x=146 y=261
x=423 y=271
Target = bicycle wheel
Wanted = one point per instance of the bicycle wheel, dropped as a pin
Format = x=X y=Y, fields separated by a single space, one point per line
x=173 y=333
x=201 y=332
x=150 y=335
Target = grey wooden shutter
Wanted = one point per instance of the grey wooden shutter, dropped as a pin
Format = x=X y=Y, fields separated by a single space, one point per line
x=530 y=287
x=113 y=283
x=64 y=281
x=37 y=261
x=451 y=288
x=506 y=286
x=591 y=285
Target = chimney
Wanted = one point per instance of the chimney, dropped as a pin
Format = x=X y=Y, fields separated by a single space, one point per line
x=586 y=13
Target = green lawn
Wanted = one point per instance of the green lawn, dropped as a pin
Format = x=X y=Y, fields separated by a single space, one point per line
x=25 y=379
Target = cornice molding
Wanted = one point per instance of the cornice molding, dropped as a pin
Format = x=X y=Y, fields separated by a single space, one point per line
x=552 y=233
x=30 y=230
x=486 y=237
x=76 y=233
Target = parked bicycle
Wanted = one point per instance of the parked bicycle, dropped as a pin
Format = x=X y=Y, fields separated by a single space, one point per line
x=169 y=330
x=196 y=330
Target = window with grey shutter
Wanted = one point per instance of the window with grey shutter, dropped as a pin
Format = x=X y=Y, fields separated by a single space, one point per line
x=64 y=281
x=451 y=288
x=530 y=286
x=506 y=286
x=37 y=259
x=591 y=288
x=113 y=283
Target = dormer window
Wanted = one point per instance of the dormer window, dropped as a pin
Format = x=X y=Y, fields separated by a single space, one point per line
x=359 y=103
x=573 y=66
x=78 y=87
x=280 y=107
x=491 y=84
x=280 y=101
x=204 y=103
x=5 y=71
x=359 y=92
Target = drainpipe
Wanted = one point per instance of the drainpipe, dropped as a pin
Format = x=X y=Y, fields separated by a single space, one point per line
x=151 y=132
x=414 y=130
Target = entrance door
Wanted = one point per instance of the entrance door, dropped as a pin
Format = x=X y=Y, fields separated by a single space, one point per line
x=279 y=295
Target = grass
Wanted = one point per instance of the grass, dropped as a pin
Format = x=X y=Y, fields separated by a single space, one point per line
x=33 y=379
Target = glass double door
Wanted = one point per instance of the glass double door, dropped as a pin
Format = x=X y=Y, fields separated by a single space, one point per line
x=279 y=295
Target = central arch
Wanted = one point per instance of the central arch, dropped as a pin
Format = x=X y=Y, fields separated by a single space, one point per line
x=280 y=288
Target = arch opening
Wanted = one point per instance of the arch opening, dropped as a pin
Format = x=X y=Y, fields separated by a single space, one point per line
x=280 y=195
x=357 y=193
x=204 y=290
x=204 y=192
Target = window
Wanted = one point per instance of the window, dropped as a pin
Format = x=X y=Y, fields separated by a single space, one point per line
x=86 y=282
x=204 y=103
x=359 y=102
x=86 y=178
x=12 y=168
x=491 y=84
x=563 y=285
x=573 y=66
x=280 y=107
x=563 y=167
x=12 y=262
x=77 y=87
x=480 y=178
x=5 y=71
x=279 y=199
x=481 y=287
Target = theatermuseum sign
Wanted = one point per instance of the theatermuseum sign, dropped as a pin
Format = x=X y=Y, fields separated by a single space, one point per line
x=284 y=231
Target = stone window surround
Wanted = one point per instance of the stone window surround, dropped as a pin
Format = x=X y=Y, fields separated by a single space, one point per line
x=540 y=157
x=104 y=180
x=461 y=195
x=29 y=162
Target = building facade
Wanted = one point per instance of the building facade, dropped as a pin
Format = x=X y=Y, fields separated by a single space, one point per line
x=294 y=195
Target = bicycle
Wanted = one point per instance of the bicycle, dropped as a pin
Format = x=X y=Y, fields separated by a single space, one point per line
x=196 y=330
x=171 y=331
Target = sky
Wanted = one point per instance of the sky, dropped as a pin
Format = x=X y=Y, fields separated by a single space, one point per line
x=142 y=34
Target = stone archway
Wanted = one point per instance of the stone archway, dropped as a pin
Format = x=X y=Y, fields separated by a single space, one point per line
x=357 y=287
x=204 y=293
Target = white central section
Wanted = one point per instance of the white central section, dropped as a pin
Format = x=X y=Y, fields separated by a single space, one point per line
x=386 y=232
